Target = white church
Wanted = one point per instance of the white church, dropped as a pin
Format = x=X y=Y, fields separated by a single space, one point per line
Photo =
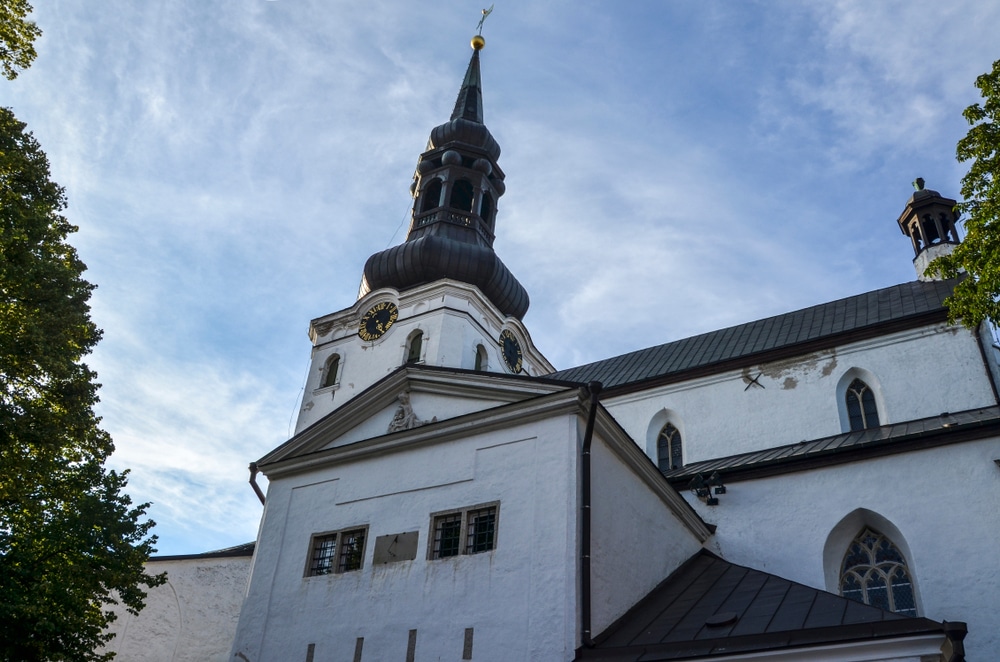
x=819 y=485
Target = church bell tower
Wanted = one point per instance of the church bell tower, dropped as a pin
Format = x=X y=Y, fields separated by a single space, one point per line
x=442 y=297
x=929 y=220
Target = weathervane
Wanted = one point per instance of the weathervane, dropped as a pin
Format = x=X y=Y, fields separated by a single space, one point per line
x=486 y=12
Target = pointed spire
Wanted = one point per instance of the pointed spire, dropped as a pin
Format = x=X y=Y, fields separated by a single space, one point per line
x=469 y=104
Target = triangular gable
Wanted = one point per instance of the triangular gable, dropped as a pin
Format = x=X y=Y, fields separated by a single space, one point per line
x=435 y=395
x=710 y=607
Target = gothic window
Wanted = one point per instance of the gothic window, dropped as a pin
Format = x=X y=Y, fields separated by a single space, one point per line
x=668 y=448
x=462 y=195
x=861 y=407
x=414 y=347
x=874 y=572
x=431 y=195
x=330 y=374
x=481 y=358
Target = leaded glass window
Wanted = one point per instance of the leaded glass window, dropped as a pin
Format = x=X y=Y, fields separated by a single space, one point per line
x=861 y=407
x=669 y=453
x=874 y=572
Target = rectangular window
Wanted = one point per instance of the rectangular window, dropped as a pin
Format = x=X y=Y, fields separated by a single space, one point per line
x=338 y=551
x=466 y=531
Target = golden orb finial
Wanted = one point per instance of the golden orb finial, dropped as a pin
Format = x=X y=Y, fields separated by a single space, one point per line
x=478 y=42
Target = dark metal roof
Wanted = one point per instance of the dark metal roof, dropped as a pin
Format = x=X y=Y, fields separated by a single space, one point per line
x=898 y=307
x=246 y=549
x=756 y=611
x=848 y=446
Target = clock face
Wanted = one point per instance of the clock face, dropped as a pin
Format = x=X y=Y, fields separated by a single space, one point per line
x=511 y=350
x=377 y=320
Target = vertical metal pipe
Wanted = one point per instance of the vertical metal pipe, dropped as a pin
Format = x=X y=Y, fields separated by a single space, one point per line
x=588 y=436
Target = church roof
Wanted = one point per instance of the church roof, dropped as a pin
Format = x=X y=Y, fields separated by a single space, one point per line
x=945 y=428
x=710 y=607
x=809 y=329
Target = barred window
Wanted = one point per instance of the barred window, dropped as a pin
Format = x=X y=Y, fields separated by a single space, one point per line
x=468 y=531
x=338 y=551
x=874 y=572
x=669 y=454
x=861 y=407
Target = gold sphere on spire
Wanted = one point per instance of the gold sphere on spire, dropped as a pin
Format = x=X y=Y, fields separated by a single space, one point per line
x=478 y=42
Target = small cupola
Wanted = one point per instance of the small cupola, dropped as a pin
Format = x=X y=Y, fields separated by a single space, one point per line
x=929 y=220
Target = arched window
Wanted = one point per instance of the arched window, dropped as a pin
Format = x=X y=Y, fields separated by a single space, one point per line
x=431 y=195
x=486 y=209
x=462 y=195
x=874 y=572
x=668 y=448
x=414 y=346
x=331 y=372
x=861 y=407
x=481 y=358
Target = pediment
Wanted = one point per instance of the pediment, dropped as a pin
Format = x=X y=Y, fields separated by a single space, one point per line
x=413 y=396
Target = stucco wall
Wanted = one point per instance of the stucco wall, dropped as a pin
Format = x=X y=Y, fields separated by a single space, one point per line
x=944 y=502
x=191 y=618
x=919 y=373
x=636 y=541
x=518 y=598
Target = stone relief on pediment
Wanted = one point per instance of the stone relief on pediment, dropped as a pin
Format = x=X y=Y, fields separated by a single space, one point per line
x=404 y=418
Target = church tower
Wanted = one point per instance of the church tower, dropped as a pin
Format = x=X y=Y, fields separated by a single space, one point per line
x=443 y=297
x=929 y=220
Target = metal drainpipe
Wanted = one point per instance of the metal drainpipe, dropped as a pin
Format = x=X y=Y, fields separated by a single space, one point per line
x=253 y=482
x=588 y=436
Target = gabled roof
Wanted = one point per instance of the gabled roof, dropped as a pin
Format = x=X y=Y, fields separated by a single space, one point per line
x=710 y=607
x=881 y=311
x=945 y=428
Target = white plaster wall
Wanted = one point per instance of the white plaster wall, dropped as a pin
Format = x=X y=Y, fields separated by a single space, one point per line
x=191 y=618
x=945 y=502
x=520 y=598
x=922 y=373
x=636 y=541
x=454 y=317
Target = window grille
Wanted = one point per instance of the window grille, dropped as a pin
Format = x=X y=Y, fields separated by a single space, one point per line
x=874 y=572
x=339 y=551
x=469 y=531
x=861 y=407
x=669 y=453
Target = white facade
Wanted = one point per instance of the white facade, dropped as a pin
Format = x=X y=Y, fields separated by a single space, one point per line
x=521 y=598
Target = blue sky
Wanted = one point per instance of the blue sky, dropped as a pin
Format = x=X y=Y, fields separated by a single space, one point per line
x=672 y=168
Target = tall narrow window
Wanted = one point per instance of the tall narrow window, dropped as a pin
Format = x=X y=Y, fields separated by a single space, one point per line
x=481 y=358
x=462 y=195
x=874 y=572
x=669 y=453
x=414 y=347
x=330 y=374
x=431 y=195
x=861 y=407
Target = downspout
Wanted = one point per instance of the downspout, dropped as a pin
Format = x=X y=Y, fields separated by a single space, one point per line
x=588 y=436
x=253 y=482
x=986 y=362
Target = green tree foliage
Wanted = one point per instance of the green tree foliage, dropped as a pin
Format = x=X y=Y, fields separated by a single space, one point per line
x=977 y=297
x=71 y=542
x=17 y=37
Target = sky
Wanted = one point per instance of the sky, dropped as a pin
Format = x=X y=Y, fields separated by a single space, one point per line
x=673 y=167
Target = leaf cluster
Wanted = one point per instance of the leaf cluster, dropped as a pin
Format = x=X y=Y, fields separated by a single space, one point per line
x=71 y=542
x=977 y=297
x=17 y=37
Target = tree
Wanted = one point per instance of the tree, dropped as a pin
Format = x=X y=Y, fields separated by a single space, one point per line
x=17 y=37
x=977 y=297
x=71 y=542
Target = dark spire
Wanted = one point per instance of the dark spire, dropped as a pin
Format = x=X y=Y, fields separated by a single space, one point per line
x=456 y=188
x=469 y=104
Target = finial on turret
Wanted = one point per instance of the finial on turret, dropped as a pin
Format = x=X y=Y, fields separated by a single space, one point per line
x=478 y=42
x=918 y=184
x=479 y=28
